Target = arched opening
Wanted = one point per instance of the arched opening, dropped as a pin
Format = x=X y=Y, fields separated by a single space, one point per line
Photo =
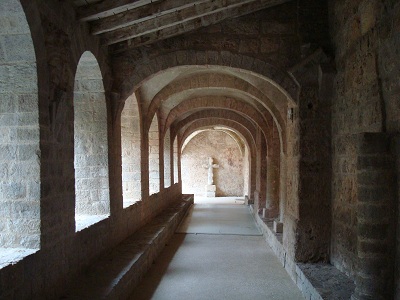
x=167 y=159
x=19 y=138
x=175 y=161
x=227 y=168
x=154 y=157
x=130 y=143
x=256 y=100
x=92 y=196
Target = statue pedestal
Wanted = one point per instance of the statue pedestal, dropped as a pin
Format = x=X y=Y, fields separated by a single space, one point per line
x=210 y=190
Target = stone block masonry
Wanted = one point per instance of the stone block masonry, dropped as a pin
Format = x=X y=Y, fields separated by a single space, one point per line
x=167 y=159
x=366 y=100
x=375 y=217
x=259 y=71
x=91 y=143
x=228 y=178
x=19 y=132
x=131 y=154
x=154 y=157
x=129 y=261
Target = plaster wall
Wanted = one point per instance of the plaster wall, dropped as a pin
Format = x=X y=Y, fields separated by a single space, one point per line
x=228 y=177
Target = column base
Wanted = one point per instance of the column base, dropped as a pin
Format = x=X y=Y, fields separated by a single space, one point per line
x=278 y=227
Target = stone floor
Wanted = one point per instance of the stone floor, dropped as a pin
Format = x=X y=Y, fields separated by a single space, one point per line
x=224 y=216
x=217 y=253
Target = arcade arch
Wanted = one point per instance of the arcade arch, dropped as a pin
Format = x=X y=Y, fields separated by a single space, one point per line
x=20 y=138
x=92 y=194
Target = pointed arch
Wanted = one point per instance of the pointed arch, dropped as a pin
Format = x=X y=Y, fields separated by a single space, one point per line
x=92 y=195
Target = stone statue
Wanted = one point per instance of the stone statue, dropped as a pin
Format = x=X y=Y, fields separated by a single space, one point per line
x=210 y=166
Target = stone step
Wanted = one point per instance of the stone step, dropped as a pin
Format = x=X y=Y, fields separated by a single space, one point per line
x=115 y=274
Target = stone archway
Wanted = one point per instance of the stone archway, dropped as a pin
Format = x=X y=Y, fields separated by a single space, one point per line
x=244 y=137
x=225 y=152
x=154 y=157
x=92 y=195
x=131 y=152
x=20 y=173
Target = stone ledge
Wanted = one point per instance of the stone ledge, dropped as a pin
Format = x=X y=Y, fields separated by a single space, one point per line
x=315 y=281
x=115 y=274
x=273 y=239
x=324 y=281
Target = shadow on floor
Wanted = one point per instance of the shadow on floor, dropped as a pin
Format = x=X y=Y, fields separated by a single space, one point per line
x=153 y=277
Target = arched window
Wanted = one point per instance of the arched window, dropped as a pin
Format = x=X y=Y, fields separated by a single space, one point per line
x=130 y=143
x=176 y=165
x=167 y=159
x=154 y=159
x=92 y=196
x=19 y=137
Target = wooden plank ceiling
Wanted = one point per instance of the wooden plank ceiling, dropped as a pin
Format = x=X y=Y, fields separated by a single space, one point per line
x=127 y=24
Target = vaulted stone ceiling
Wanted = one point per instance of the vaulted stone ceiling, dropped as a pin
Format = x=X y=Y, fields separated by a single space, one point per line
x=181 y=93
x=126 y=24
x=188 y=93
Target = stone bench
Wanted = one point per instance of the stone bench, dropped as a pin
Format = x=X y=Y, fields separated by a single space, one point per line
x=323 y=282
x=115 y=274
x=317 y=281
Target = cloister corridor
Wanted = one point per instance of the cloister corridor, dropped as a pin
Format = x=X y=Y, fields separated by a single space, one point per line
x=212 y=253
x=117 y=115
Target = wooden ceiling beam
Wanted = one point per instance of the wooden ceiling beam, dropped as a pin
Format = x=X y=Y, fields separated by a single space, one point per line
x=194 y=23
x=169 y=21
x=108 y=8
x=141 y=14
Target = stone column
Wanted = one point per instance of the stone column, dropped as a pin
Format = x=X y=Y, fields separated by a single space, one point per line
x=263 y=178
x=260 y=193
x=272 y=203
x=273 y=178
x=376 y=218
x=282 y=186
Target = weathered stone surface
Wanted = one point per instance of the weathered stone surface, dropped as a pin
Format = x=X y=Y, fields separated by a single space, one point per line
x=129 y=259
x=261 y=72
x=228 y=178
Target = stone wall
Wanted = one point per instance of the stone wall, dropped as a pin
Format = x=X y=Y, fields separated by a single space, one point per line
x=19 y=132
x=154 y=157
x=47 y=101
x=366 y=37
x=90 y=140
x=228 y=177
x=130 y=143
x=365 y=34
x=175 y=161
x=167 y=159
